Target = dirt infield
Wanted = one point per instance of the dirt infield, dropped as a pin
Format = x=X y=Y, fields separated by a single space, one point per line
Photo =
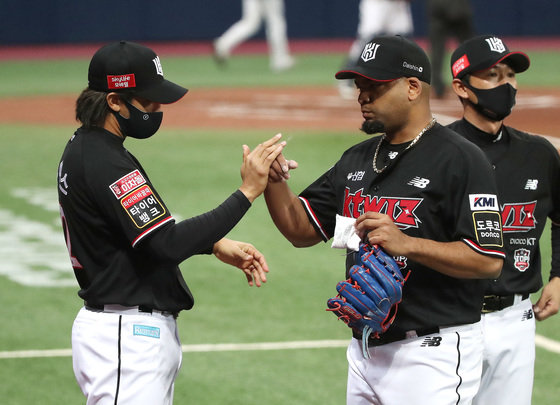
x=282 y=109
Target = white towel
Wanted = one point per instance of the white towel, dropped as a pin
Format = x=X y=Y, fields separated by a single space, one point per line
x=345 y=236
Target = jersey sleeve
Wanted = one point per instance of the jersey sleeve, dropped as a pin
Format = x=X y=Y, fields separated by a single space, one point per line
x=123 y=192
x=319 y=201
x=474 y=203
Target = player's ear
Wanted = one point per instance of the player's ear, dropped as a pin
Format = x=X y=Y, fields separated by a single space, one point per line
x=113 y=101
x=415 y=88
x=459 y=88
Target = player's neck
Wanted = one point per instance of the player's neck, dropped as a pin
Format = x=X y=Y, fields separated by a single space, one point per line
x=410 y=132
x=482 y=123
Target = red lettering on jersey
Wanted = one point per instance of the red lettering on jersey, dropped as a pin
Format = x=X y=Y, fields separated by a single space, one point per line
x=127 y=183
x=406 y=217
x=400 y=209
x=519 y=217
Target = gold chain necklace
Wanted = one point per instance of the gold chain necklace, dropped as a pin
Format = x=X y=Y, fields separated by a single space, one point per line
x=410 y=145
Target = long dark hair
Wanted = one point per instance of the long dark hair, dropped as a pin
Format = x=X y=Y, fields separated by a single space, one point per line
x=92 y=108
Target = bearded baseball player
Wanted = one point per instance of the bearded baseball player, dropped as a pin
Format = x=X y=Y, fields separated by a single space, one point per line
x=124 y=245
x=418 y=192
x=527 y=171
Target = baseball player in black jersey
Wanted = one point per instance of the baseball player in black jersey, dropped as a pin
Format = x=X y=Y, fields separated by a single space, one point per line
x=125 y=246
x=527 y=171
x=426 y=196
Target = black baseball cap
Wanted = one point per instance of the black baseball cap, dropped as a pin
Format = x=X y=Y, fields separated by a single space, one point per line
x=386 y=58
x=482 y=52
x=131 y=68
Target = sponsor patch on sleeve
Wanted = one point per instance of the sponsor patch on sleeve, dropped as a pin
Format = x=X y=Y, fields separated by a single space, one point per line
x=142 y=206
x=488 y=228
x=483 y=202
x=127 y=183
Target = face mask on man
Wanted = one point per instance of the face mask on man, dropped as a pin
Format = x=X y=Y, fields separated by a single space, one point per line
x=140 y=124
x=495 y=104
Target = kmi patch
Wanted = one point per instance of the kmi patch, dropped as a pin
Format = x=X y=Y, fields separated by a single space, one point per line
x=143 y=206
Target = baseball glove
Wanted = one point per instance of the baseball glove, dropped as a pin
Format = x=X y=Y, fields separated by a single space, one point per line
x=368 y=300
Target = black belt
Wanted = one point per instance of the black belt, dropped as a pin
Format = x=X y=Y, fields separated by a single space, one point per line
x=390 y=337
x=493 y=303
x=141 y=308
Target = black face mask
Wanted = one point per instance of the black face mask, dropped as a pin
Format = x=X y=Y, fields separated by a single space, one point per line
x=496 y=103
x=140 y=124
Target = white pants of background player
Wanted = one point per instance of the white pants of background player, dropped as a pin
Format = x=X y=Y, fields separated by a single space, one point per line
x=377 y=17
x=254 y=12
x=126 y=357
x=509 y=356
x=437 y=369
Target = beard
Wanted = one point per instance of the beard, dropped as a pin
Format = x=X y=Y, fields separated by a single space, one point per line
x=372 y=127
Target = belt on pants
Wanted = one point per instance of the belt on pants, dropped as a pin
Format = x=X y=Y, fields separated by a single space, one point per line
x=493 y=303
x=390 y=337
x=121 y=309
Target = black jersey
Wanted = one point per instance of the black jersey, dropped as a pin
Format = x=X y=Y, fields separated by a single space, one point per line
x=527 y=170
x=124 y=244
x=441 y=189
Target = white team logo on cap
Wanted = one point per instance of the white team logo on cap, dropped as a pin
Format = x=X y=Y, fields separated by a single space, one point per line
x=496 y=44
x=369 y=51
x=159 y=69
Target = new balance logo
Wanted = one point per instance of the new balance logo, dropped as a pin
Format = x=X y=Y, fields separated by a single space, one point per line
x=431 y=341
x=419 y=182
x=527 y=315
x=531 y=184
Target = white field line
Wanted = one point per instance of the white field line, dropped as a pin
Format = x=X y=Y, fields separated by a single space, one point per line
x=540 y=341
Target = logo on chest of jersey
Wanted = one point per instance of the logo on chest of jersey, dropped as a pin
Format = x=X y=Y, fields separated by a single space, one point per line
x=127 y=183
x=356 y=176
x=519 y=217
x=400 y=209
x=521 y=259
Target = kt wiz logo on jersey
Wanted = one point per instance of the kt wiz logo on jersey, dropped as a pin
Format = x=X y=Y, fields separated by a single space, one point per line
x=398 y=208
x=486 y=219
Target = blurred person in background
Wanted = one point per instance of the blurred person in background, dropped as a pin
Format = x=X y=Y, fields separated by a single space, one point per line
x=254 y=13
x=377 y=17
x=446 y=19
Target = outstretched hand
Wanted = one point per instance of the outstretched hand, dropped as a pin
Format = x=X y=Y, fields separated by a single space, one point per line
x=243 y=256
x=256 y=166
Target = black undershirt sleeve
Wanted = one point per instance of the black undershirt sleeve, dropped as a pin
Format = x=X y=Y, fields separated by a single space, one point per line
x=175 y=243
x=555 y=241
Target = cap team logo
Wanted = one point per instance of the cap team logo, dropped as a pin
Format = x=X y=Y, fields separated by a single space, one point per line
x=159 y=69
x=496 y=44
x=521 y=259
x=369 y=51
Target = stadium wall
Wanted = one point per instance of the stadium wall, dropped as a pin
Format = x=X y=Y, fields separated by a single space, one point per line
x=77 y=21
